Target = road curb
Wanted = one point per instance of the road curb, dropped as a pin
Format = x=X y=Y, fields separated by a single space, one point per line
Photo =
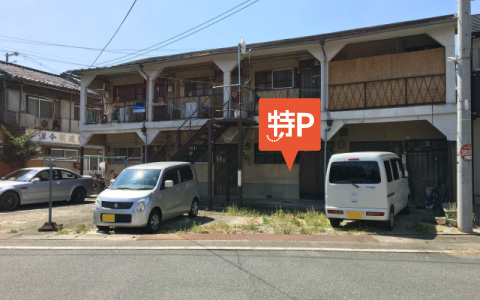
x=236 y=248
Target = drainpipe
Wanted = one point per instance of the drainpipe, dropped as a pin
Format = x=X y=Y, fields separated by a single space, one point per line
x=144 y=129
x=325 y=108
x=20 y=106
x=6 y=101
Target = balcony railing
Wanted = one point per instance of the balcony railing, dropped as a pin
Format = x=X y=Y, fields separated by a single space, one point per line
x=418 y=90
x=183 y=108
x=397 y=92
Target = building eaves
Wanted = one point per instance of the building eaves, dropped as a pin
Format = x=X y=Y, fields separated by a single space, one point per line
x=288 y=42
x=36 y=77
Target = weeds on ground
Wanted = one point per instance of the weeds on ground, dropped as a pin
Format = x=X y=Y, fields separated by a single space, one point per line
x=12 y=231
x=421 y=228
x=63 y=231
x=277 y=221
x=241 y=212
x=80 y=229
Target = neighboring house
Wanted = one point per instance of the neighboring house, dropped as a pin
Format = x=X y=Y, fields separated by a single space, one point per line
x=50 y=105
x=476 y=105
x=385 y=87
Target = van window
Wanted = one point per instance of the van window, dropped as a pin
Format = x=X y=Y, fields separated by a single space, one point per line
x=354 y=172
x=186 y=173
x=396 y=176
x=388 y=170
x=400 y=165
x=171 y=174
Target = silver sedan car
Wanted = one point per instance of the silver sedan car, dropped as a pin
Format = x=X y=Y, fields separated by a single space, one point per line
x=32 y=185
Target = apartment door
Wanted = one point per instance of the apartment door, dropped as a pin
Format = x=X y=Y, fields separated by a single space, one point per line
x=312 y=169
x=427 y=163
x=225 y=159
x=312 y=184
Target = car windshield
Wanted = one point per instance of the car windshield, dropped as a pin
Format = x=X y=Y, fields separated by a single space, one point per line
x=21 y=175
x=136 y=179
x=352 y=172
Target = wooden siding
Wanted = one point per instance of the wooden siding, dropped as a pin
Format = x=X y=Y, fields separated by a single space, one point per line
x=410 y=78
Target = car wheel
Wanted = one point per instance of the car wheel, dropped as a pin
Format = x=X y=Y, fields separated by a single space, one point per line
x=103 y=228
x=78 y=195
x=9 y=201
x=335 y=222
x=194 y=209
x=153 y=221
x=391 y=220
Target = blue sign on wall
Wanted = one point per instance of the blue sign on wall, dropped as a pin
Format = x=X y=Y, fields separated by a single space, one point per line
x=139 y=108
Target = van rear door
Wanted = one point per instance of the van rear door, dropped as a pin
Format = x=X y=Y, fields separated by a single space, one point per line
x=355 y=183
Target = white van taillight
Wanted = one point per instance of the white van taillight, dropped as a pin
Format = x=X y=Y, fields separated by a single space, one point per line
x=353 y=159
x=335 y=212
x=374 y=214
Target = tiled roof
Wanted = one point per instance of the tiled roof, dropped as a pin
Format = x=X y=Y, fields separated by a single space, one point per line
x=294 y=41
x=48 y=80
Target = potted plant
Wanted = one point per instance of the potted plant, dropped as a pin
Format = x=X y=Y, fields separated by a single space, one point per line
x=450 y=210
x=441 y=220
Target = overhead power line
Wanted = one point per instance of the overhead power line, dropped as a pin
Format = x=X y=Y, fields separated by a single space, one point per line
x=10 y=39
x=43 y=56
x=182 y=35
x=133 y=4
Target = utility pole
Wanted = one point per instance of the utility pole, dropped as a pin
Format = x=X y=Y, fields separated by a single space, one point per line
x=464 y=120
x=10 y=54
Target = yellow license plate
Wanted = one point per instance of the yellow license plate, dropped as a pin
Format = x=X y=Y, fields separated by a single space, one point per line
x=108 y=218
x=355 y=215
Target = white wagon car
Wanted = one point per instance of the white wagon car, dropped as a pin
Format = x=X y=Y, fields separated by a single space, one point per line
x=32 y=185
x=146 y=194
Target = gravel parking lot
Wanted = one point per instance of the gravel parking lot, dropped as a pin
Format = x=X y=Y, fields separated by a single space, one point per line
x=28 y=219
x=78 y=219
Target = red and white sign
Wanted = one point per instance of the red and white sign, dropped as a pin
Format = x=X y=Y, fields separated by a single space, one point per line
x=466 y=152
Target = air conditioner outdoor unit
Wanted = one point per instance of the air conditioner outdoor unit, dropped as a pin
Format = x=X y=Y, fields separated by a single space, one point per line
x=46 y=124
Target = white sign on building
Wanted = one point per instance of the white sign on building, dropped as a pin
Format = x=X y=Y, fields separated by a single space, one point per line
x=55 y=137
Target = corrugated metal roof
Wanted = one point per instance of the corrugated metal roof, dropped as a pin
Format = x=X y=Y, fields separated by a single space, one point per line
x=37 y=77
x=287 y=42
x=475 y=20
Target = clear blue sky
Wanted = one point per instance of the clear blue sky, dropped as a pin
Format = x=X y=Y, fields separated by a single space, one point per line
x=91 y=23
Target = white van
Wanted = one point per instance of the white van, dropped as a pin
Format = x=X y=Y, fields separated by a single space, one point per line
x=146 y=194
x=366 y=186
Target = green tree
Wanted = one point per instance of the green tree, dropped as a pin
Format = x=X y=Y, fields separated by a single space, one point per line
x=17 y=150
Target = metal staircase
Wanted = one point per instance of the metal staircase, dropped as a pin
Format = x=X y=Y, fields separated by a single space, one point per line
x=197 y=145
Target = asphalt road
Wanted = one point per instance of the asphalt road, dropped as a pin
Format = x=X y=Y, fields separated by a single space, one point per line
x=127 y=274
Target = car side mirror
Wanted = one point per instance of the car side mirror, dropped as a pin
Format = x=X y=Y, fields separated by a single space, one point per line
x=406 y=174
x=168 y=183
x=36 y=179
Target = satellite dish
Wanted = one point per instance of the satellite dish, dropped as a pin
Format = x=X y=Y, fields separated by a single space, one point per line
x=243 y=48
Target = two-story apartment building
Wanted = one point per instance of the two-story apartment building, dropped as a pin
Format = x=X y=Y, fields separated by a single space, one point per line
x=387 y=87
x=50 y=105
x=475 y=20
